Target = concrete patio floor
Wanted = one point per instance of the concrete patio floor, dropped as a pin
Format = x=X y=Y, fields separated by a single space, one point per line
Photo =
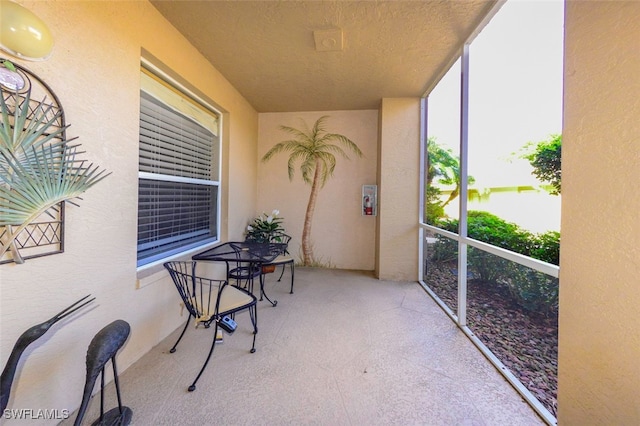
x=344 y=349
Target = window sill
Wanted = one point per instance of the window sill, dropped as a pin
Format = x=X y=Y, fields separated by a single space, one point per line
x=150 y=276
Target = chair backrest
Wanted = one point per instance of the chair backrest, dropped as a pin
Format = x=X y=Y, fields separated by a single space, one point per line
x=282 y=238
x=279 y=237
x=273 y=237
x=199 y=295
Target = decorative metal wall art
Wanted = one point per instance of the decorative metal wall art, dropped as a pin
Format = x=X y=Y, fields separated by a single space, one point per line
x=39 y=167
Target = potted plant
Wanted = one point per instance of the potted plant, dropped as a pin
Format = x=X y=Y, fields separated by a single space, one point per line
x=264 y=229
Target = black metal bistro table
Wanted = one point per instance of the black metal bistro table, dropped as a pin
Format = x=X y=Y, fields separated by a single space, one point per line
x=244 y=259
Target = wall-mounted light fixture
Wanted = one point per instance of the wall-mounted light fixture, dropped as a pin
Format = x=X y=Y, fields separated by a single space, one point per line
x=23 y=34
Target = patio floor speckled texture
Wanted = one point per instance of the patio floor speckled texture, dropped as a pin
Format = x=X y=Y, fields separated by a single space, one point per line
x=344 y=349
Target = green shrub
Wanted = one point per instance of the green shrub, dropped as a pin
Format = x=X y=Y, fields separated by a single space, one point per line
x=546 y=247
x=491 y=229
x=486 y=266
x=534 y=291
x=445 y=249
x=435 y=210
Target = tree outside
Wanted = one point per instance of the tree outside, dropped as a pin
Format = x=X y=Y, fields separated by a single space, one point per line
x=444 y=169
x=546 y=159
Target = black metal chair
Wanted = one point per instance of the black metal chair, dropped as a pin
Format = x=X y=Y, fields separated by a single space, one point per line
x=210 y=301
x=245 y=272
x=283 y=259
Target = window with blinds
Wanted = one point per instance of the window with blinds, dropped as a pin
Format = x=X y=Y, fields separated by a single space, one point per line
x=178 y=178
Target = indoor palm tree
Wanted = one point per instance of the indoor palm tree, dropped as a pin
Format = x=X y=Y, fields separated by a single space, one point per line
x=39 y=168
x=314 y=149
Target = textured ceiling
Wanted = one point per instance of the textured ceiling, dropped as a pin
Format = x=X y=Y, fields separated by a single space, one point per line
x=266 y=49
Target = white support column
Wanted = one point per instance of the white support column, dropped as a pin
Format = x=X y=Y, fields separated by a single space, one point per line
x=464 y=161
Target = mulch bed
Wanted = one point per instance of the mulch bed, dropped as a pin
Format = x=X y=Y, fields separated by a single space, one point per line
x=525 y=342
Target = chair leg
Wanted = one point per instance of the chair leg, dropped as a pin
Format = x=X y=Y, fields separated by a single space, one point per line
x=253 y=313
x=173 y=349
x=284 y=265
x=292 y=274
x=263 y=294
x=213 y=345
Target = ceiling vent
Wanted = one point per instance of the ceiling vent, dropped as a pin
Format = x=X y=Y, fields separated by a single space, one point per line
x=328 y=40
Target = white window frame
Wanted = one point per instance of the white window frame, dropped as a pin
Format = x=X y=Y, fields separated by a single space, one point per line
x=185 y=102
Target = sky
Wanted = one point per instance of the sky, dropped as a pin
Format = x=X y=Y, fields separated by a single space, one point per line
x=515 y=89
x=515 y=97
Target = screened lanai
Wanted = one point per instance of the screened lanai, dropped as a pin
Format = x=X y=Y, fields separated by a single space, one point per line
x=369 y=66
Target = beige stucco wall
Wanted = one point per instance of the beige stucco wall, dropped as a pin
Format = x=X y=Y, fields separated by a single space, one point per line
x=95 y=72
x=399 y=189
x=342 y=237
x=599 y=371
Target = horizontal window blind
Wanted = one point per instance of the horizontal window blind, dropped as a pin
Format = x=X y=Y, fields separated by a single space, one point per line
x=178 y=186
x=172 y=215
x=172 y=144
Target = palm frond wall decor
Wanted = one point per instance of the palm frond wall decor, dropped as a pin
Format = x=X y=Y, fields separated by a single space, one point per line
x=314 y=150
x=40 y=169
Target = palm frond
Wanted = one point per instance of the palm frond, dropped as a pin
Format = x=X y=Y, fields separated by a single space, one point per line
x=39 y=167
x=336 y=149
x=298 y=135
x=328 y=161
x=29 y=130
x=308 y=168
x=36 y=187
x=288 y=145
x=318 y=127
x=348 y=143
x=312 y=147
x=293 y=158
x=5 y=126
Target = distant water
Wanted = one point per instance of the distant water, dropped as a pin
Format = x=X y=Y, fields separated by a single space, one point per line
x=534 y=210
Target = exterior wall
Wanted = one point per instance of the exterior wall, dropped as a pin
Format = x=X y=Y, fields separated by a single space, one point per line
x=599 y=349
x=342 y=237
x=399 y=189
x=95 y=72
